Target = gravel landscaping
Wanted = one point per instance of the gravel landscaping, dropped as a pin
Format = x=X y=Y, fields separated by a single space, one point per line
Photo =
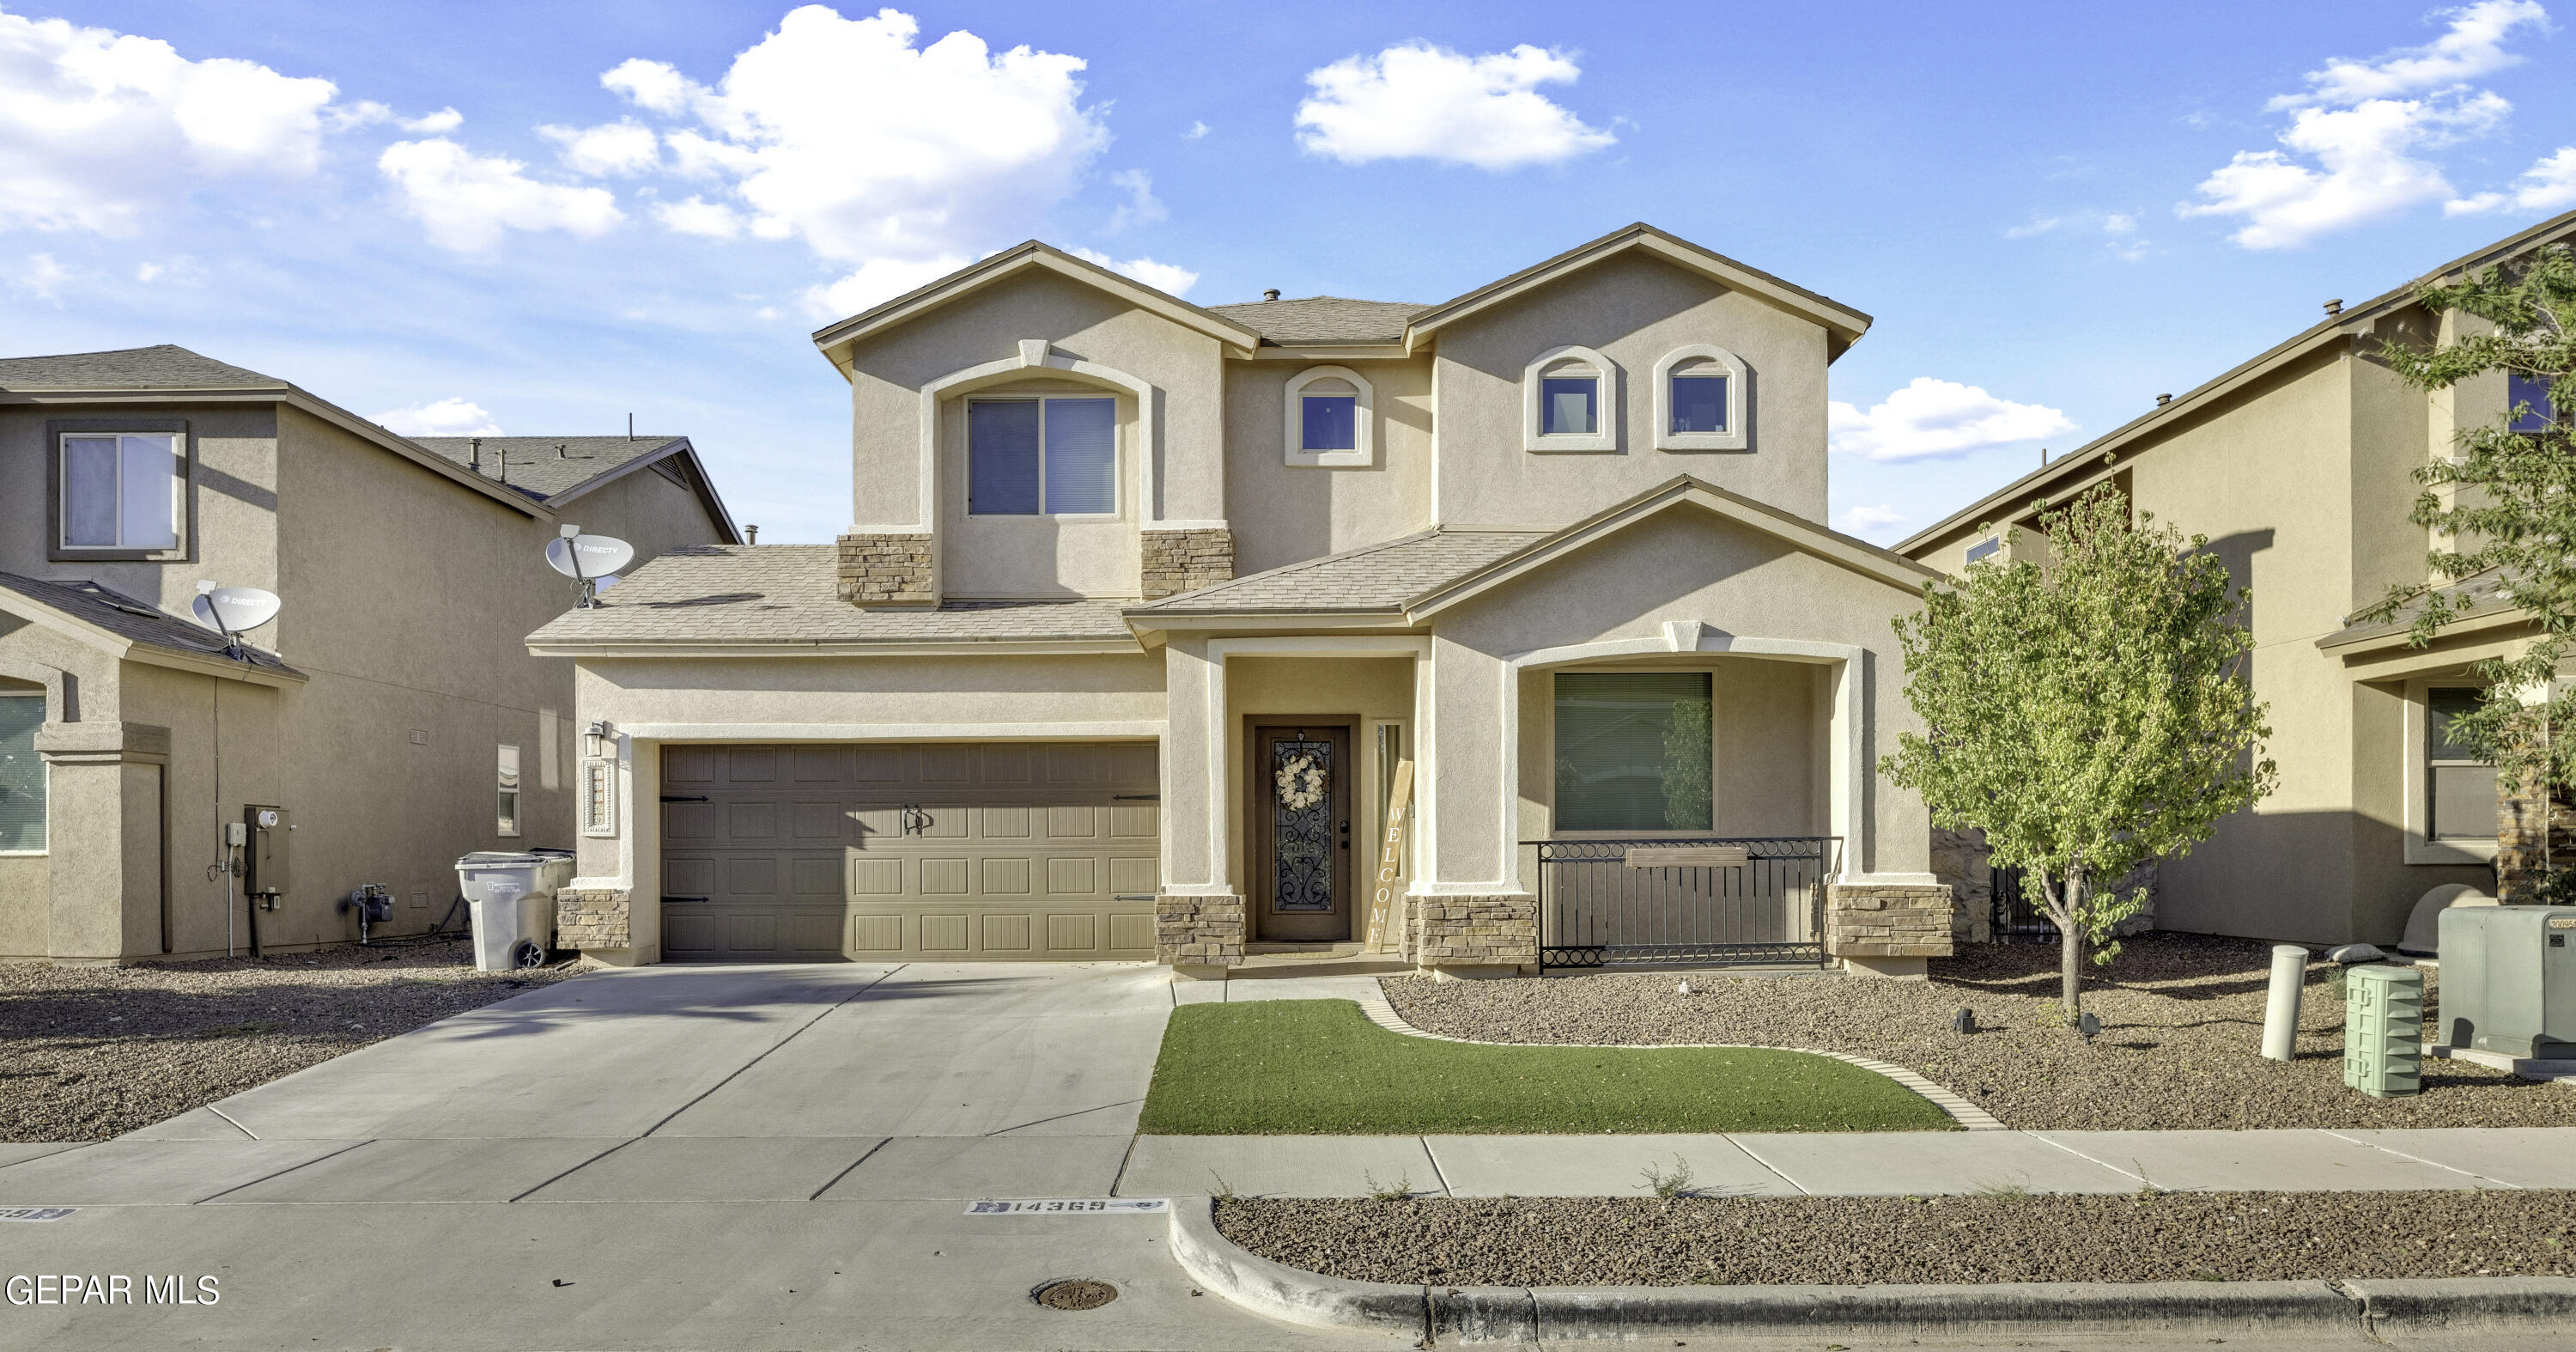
x=2181 y=1017
x=92 y=1052
x=1840 y=1241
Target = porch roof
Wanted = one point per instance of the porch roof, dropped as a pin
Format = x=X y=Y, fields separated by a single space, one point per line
x=105 y=617
x=1370 y=579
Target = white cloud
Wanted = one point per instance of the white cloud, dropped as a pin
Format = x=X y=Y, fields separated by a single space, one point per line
x=876 y=280
x=1141 y=206
x=438 y=123
x=1877 y=525
x=899 y=160
x=144 y=272
x=1197 y=130
x=2118 y=231
x=40 y=276
x=98 y=128
x=449 y=417
x=697 y=216
x=2354 y=149
x=621 y=147
x=2473 y=46
x=1417 y=101
x=2549 y=185
x=465 y=201
x=1937 y=417
x=1168 y=277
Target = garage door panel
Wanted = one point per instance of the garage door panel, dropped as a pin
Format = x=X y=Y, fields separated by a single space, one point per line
x=942 y=851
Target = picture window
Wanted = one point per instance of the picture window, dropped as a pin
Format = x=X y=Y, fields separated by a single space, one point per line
x=121 y=490
x=2461 y=788
x=1042 y=457
x=1635 y=751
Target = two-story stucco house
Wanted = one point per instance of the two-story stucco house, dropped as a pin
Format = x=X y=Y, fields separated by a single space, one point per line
x=389 y=716
x=1170 y=632
x=2298 y=465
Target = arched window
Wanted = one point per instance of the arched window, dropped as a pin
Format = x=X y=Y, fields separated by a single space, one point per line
x=1699 y=400
x=1570 y=401
x=1331 y=417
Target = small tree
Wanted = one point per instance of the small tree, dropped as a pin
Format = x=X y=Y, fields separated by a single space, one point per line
x=2087 y=716
x=2507 y=504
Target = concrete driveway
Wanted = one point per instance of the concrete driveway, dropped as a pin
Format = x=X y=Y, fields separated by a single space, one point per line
x=670 y=1157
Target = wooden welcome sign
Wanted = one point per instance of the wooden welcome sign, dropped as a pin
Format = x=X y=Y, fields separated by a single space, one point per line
x=1379 y=936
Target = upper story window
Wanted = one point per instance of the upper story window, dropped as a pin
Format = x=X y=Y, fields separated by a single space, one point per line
x=120 y=491
x=2461 y=789
x=2532 y=392
x=1569 y=401
x=1331 y=417
x=1050 y=457
x=1699 y=400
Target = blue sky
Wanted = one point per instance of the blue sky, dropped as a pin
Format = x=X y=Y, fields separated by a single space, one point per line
x=538 y=219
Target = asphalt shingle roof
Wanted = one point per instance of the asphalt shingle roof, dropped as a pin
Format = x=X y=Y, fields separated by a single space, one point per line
x=166 y=367
x=1372 y=577
x=716 y=594
x=545 y=466
x=131 y=618
x=1323 y=319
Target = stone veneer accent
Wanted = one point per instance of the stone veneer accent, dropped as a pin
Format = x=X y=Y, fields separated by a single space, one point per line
x=1198 y=931
x=1471 y=931
x=593 y=918
x=2523 y=853
x=886 y=570
x=1185 y=560
x=1888 y=920
x=1962 y=862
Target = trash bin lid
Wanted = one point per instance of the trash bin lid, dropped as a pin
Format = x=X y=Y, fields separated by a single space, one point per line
x=503 y=859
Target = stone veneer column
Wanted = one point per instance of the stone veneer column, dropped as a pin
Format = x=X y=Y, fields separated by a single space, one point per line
x=887 y=570
x=1198 y=936
x=2534 y=829
x=1887 y=929
x=1472 y=936
x=1961 y=860
x=1176 y=561
x=594 y=917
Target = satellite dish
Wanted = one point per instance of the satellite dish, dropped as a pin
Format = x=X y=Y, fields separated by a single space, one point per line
x=234 y=610
x=589 y=556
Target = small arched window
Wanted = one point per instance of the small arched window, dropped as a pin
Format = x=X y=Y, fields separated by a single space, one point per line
x=1699 y=400
x=1331 y=418
x=1570 y=401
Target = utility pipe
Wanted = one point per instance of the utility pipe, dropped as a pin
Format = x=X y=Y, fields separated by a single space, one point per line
x=2281 y=1009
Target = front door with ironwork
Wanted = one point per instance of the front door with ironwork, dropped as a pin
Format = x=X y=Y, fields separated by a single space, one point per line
x=1301 y=833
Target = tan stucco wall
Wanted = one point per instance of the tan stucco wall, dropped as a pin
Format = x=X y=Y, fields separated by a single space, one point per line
x=1634 y=311
x=1285 y=513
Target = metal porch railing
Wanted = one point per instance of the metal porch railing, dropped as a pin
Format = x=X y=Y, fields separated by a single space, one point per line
x=1608 y=903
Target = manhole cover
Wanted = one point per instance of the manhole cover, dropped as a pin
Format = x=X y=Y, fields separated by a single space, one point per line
x=1078 y=1293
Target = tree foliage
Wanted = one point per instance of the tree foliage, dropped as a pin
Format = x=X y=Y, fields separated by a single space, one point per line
x=2089 y=715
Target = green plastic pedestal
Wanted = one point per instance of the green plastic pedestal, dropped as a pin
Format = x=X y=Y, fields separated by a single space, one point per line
x=2383 y=1030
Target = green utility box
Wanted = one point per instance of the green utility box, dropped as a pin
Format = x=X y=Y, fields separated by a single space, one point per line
x=2383 y=1030
x=2509 y=980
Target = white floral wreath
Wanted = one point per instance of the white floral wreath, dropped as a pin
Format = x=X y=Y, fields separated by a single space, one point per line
x=1301 y=784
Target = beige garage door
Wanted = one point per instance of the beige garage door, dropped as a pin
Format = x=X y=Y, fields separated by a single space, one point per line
x=932 y=851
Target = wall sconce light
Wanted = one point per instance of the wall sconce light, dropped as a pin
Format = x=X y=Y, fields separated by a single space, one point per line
x=595 y=737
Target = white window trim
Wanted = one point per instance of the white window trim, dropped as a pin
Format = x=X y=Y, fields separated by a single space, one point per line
x=1606 y=403
x=1363 y=452
x=2417 y=776
x=1117 y=458
x=177 y=549
x=1733 y=438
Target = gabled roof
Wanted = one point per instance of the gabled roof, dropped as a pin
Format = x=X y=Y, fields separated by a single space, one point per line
x=2076 y=469
x=836 y=339
x=1409 y=580
x=171 y=373
x=130 y=627
x=557 y=470
x=1323 y=321
x=1843 y=325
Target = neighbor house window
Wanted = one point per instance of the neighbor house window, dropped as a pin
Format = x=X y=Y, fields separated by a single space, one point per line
x=1568 y=401
x=509 y=790
x=1634 y=751
x=121 y=490
x=2462 y=787
x=2530 y=392
x=1051 y=457
x=1985 y=549
x=22 y=774
x=1330 y=417
x=1699 y=400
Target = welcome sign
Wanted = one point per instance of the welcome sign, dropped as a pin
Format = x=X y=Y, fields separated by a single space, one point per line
x=1379 y=935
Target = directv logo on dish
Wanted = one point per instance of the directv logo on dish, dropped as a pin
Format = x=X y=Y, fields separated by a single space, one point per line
x=72 y=1288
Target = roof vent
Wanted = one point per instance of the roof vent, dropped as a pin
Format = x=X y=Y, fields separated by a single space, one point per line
x=2163 y=399
x=474 y=454
x=1271 y=294
x=2334 y=307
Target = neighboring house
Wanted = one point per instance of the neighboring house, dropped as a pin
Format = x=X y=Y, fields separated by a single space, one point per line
x=1151 y=608
x=389 y=713
x=2297 y=465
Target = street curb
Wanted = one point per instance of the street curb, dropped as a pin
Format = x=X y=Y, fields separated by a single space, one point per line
x=1514 y=1314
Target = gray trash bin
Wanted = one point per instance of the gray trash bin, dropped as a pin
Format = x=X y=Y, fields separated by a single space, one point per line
x=512 y=896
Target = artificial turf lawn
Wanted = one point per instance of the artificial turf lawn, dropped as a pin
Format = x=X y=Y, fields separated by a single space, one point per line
x=1320 y=1068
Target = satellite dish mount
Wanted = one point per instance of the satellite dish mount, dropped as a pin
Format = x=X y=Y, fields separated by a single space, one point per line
x=234 y=611
x=591 y=561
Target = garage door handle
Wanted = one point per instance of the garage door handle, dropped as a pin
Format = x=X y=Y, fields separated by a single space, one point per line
x=1133 y=896
x=1135 y=798
x=688 y=898
x=684 y=798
